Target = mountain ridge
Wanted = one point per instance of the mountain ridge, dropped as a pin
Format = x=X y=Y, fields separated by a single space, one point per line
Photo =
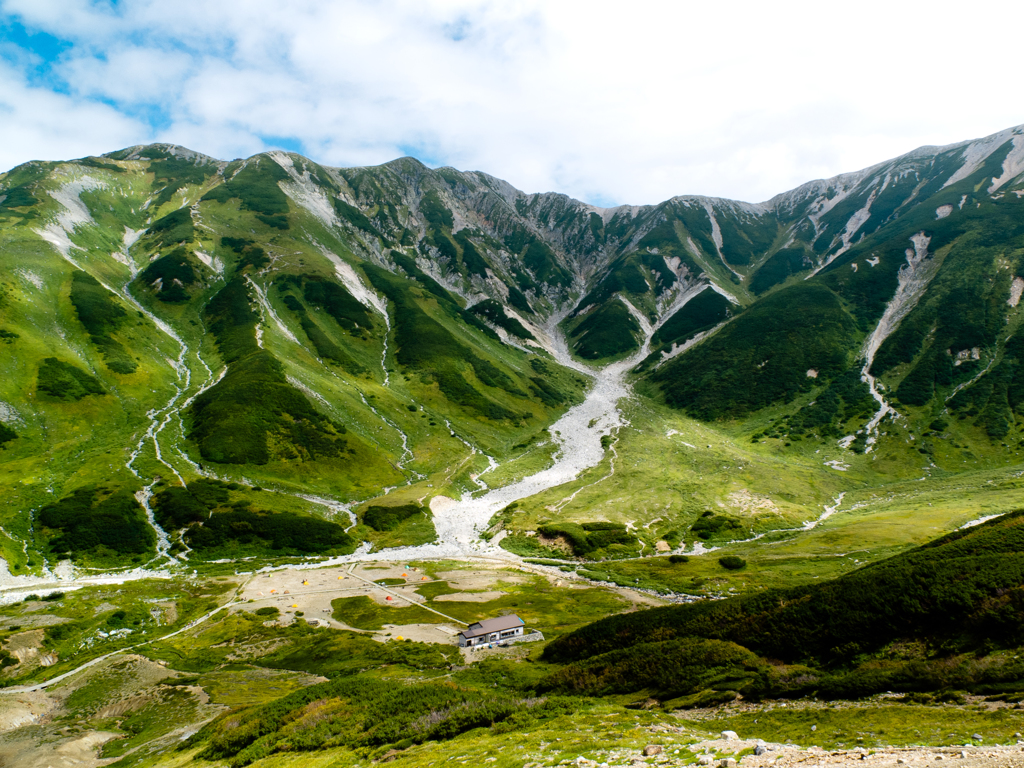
x=393 y=299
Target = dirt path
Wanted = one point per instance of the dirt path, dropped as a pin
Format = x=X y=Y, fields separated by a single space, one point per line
x=400 y=596
x=996 y=756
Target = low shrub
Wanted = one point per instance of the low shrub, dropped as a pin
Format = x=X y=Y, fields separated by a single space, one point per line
x=102 y=315
x=96 y=521
x=389 y=518
x=732 y=563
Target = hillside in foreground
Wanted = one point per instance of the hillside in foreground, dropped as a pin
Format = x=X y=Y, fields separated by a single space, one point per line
x=920 y=648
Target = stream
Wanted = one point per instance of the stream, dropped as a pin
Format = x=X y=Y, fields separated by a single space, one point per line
x=577 y=434
x=459 y=522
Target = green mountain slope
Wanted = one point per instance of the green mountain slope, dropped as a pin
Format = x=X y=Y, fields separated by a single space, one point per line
x=958 y=594
x=350 y=333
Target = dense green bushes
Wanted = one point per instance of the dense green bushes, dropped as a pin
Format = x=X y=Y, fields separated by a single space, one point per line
x=959 y=597
x=177 y=507
x=256 y=188
x=101 y=315
x=232 y=320
x=324 y=344
x=588 y=538
x=365 y=713
x=732 y=563
x=625 y=275
x=545 y=265
x=98 y=522
x=744 y=237
x=778 y=268
x=673 y=668
x=6 y=434
x=846 y=398
x=174 y=228
x=426 y=346
x=174 y=271
x=762 y=357
x=389 y=518
x=472 y=260
x=607 y=331
x=701 y=313
x=962 y=591
x=709 y=525
x=962 y=309
x=251 y=254
x=435 y=211
x=214 y=528
x=996 y=395
x=65 y=381
x=17 y=197
x=232 y=422
x=175 y=173
x=494 y=312
x=346 y=310
x=258 y=531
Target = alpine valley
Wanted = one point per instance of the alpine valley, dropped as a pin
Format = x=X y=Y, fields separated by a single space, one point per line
x=272 y=433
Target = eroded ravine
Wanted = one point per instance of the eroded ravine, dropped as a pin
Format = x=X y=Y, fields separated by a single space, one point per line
x=578 y=435
x=912 y=280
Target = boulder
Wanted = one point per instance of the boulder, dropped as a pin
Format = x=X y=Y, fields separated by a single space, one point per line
x=652 y=749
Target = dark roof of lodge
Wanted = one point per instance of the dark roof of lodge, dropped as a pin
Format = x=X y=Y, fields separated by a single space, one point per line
x=496 y=624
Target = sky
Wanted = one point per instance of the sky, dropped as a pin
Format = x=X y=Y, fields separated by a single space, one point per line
x=612 y=103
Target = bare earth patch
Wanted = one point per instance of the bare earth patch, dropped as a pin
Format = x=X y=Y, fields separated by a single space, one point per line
x=444 y=634
x=469 y=597
x=751 y=503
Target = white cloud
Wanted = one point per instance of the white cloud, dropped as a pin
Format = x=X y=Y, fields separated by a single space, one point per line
x=38 y=124
x=604 y=101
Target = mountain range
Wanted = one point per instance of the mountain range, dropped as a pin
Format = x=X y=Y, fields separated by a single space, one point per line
x=173 y=325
